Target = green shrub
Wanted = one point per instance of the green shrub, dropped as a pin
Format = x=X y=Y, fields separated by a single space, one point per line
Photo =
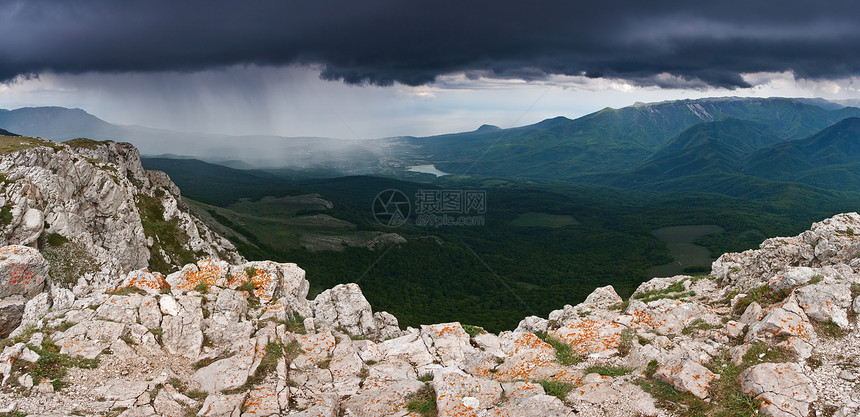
x=68 y=260
x=56 y=239
x=246 y=286
x=681 y=403
x=473 y=330
x=157 y=332
x=295 y=323
x=84 y=143
x=167 y=236
x=6 y=215
x=762 y=295
x=677 y=287
x=292 y=351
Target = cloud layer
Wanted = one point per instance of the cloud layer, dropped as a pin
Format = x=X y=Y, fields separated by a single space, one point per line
x=665 y=43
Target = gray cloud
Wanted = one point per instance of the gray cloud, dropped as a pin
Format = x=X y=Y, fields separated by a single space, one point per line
x=412 y=42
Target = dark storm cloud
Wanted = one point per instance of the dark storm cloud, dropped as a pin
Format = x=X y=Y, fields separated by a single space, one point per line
x=413 y=41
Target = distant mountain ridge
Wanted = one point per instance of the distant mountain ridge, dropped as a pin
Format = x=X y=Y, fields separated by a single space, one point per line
x=828 y=159
x=611 y=140
x=54 y=122
x=701 y=144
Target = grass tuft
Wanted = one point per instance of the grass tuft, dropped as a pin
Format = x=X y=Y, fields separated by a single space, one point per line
x=52 y=365
x=763 y=295
x=608 y=370
x=127 y=291
x=828 y=329
x=564 y=354
x=625 y=344
x=697 y=324
x=557 y=389
x=423 y=401
x=201 y=287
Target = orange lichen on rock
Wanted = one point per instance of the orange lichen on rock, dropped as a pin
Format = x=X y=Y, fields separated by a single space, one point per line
x=643 y=318
x=587 y=336
x=262 y=281
x=531 y=359
x=317 y=346
x=151 y=282
x=262 y=401
x=448 y=329
x=9 y=250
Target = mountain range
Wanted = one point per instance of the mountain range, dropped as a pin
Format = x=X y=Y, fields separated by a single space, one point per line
x=725 y=145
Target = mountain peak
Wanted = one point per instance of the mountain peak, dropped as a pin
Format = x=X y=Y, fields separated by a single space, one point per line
x=55 y=123
x=487 y=128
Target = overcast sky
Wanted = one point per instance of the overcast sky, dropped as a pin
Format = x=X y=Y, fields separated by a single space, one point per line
x=374 y=68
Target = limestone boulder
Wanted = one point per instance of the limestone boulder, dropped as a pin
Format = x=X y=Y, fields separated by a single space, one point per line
x=828 y=242
x=222 y=405
x=784 y=319
x=11 y=312
x=120 y=308
x=687 y=376
x=590 y=336
x=23 y=271
x=381 y=398
x=668 y=316
x=183 y=334
x=825 y=302
x=261 y=402
x=447 y=342
x=458 y=393
x=231 y=372
x=612 y=393
x=151 y=282
x=783 y=388
x=10 y=354
x=345 y=307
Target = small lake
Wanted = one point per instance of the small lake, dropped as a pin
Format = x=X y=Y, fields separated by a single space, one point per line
x=553 y=221
x=680 y=240
x=427 y=169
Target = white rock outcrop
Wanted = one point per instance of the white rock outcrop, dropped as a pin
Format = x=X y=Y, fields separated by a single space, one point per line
x=783 y=388
x=81 y=203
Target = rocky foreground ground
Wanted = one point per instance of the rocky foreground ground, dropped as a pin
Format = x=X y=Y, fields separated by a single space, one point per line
x=772 y=330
